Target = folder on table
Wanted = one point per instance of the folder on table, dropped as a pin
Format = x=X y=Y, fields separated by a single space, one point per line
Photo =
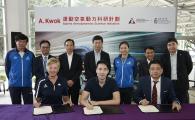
x=42 y=110
x=53 y=109
x=96 y=110
x=148 y=108
x=104 y=109
x=164 y=108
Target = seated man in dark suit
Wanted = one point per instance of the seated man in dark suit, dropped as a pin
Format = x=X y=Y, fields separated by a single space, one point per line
x=156 y=89
x=40 y=62
x=101 y=89
x=92 y=57
x=143 y=68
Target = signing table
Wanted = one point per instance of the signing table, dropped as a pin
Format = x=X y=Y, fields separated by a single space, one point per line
x=132 y=112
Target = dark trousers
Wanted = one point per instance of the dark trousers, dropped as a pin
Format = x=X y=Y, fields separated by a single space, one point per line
x=73 y=93
x=17 y=92
x=180 y=91
x=126 y=95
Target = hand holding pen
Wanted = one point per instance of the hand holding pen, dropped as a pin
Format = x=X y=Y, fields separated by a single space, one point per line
x=89 y=105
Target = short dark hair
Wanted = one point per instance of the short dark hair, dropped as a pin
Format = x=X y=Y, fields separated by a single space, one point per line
x=102 y=62
x=21 y=36
x=155 y=62
x=44 y=41
x=124 y=42
x=148 y=47
x=71 y=40
x=172 y=40
x=97 y=37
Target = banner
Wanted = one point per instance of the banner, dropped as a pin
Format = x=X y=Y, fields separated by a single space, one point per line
x=139 y=26
x=136 y=19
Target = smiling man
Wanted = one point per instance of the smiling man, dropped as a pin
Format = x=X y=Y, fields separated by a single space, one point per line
x=92 y=57
x=143 y=69
x=40 y=62
x=177 y=65
x=101 y=89
x=70 y=69
x=155 y=89
x=18 y=67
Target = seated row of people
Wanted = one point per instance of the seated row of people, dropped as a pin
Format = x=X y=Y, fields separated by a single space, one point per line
x=101 y=90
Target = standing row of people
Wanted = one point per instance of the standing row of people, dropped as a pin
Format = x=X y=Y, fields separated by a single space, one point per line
x=21 y=64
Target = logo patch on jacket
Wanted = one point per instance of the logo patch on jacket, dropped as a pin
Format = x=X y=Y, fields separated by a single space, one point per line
x=129 y=63
x=15 y=57
x=27 y=58
x=45 y=86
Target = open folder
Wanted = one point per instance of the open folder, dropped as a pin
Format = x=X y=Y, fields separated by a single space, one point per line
x=104 y=109
x=148 y=108
x=53 y=109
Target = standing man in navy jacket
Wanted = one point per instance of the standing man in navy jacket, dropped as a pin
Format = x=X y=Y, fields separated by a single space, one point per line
x=92 y=57
x=40 y=62
x=177 y=65
x=70 y=70
x=143 y=65
x=18 y=67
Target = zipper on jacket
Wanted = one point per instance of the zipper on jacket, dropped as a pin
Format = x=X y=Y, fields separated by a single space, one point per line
x=22 y=72
x=123 y=62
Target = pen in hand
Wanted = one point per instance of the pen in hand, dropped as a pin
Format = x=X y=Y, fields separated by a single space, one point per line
x=89 y=105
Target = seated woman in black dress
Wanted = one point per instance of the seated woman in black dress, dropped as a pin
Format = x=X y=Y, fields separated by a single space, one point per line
x=53 y=89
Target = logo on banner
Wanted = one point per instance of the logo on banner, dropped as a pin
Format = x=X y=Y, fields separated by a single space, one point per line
x=138 y=20
x=132 y=21
x=161 y=21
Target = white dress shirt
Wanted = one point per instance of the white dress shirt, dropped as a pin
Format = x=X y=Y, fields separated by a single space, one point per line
x=97 y=56
x=173 y=59
x=148 y=61
x=45 y=59
x=69 y=59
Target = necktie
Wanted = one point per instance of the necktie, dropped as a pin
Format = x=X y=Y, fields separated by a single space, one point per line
x=154 y=93
x=44 y=65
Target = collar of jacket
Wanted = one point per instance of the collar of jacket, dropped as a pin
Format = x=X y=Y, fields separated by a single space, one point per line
x=127 y=56
x=26 y=50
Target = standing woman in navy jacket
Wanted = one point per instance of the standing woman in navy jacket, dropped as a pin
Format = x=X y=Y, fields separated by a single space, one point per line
x=125 y=72
x=18 y=67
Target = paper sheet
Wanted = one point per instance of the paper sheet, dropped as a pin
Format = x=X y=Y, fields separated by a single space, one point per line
x=148 y=108
x=95 y=110
x=42 y=110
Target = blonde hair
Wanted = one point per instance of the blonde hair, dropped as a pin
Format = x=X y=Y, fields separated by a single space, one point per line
x=53 y=61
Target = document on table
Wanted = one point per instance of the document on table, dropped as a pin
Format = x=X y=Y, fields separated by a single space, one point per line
x=148 y=108
x=42 y=110
x=95 y=110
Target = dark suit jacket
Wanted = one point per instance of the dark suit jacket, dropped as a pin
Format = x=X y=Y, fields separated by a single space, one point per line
x=184 y=67
x=75 y=70
x=144 y=90
x=90 y=65
x=143 y=68
x=38 y=69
